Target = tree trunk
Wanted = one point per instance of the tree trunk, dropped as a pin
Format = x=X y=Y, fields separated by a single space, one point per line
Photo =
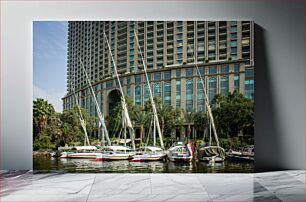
x=188 y=132
x=162 y=128
x=140 y=132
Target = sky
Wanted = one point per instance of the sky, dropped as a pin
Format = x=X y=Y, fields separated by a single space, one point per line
x=50 y=61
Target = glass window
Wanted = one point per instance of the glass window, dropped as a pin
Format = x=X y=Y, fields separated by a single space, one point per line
x=109 y=84
x=233 y=43
x=202 y=71
x=167 y=75
x=178 y=85
x=179 y=56
x=189 y=95
x=224 y=85
x=234 y=29
x=249 y=72
x=137 y=79
x=224 y=69
x=179 y=29
x=234 y=50
x=249 y=88
x=233 y=23
x=167 y=93
x=128 y=80
x=200 y=97
x=146 y=92
x=212 y=70
x=189 y=72
x=180 y=49
x=128 y=89
x=178 y=73
x=236 y=82
x=178 y=93
x=212 y=88
x=157 y=89
x=138 y=95
x=234 y=35
x=236 y=68
x=157 y=76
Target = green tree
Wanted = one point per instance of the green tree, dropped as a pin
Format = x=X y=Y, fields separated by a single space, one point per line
x=200 y=122
x=141 y=118
x=189 y=120
x=41 y=111
x=72 y=128
x=233 y=114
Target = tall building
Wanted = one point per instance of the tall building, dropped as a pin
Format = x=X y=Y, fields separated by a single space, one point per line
x=223 y=50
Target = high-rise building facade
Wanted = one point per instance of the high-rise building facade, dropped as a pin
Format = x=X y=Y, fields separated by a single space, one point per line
x=223 y=51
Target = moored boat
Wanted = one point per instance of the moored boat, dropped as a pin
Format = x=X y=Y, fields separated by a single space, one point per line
x=211 y=154
x=79 y=152
x=241 y=154
x=181 y=152
x=148 y=153
x=115 y=152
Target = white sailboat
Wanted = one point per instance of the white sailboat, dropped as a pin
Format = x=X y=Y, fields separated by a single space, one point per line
x=209 y=153
x=100 y=115
x=86 y=151
x=118 y=152
x=180 y=152
x=150 y=153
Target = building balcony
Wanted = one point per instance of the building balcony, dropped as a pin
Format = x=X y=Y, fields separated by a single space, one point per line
x=222 y=46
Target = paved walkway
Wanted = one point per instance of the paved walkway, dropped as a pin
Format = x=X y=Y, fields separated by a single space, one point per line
x=270 y=186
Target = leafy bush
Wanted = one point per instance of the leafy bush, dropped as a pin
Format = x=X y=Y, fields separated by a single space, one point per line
x=43 y=142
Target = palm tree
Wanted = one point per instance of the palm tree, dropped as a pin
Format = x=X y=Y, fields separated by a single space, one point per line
x=163 y=114
x=201 y=122
x=41 y=111
x=189 y=119
x=141 y=118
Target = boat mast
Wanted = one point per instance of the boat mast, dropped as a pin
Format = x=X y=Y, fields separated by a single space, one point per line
x=101 y=118
x=125 y=114
x=207 y=102
x=156 y=121
x=83 y=123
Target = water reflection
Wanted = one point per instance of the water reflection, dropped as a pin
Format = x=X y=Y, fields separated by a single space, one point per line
x=86 y=165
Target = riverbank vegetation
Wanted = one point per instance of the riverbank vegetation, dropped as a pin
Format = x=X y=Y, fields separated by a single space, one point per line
x=233 y=116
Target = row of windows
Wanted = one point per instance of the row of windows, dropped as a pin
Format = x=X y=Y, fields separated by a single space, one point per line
x=188 y=73
x=224 y=69
x=200 y=98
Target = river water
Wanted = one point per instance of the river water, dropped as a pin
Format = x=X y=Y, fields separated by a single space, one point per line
x=49 y=164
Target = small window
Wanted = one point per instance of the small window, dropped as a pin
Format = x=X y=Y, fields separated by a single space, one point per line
x=178 y=73
x=212 y=70
x=249 y=72
x=236 y=68
x=157 y=76
x=138 y=79
x=189 y=72
x=167 y=75
x=224 y=69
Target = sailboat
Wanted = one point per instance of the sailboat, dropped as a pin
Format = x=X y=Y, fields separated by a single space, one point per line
x=119 y=152
x=86 y=151
x=209 y=153
x=150 y=153
x=180 y=152
x=241 y=154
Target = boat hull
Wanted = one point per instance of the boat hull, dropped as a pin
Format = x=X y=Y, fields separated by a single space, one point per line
x=79 y=155
x=148 y=157
x=209 y=159
x=240 y=158
x=113 y=157
x=181 y=159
